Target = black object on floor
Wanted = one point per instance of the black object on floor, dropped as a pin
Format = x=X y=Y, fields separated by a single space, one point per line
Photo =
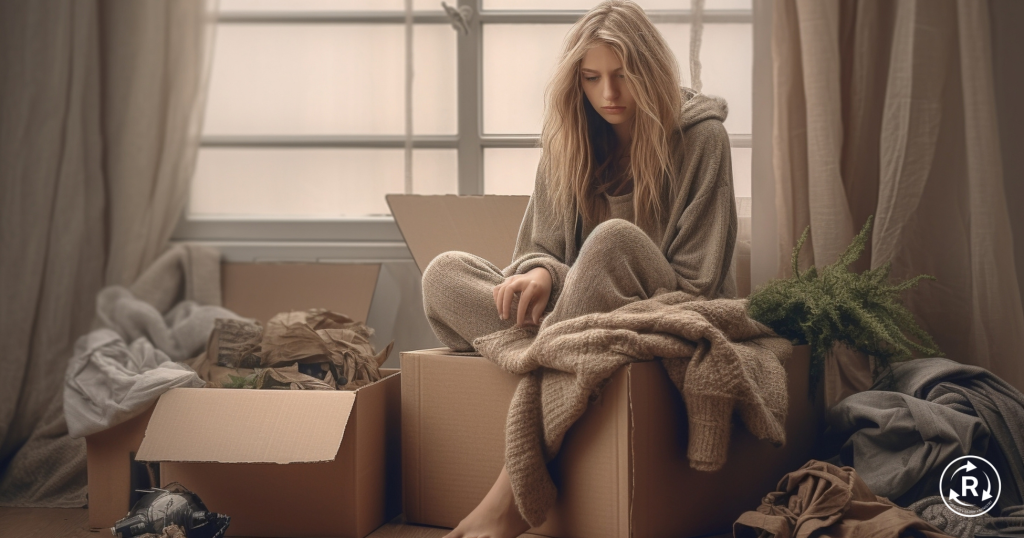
x=175 y=505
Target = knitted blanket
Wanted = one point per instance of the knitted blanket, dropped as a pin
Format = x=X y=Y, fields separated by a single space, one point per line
x=722 y=362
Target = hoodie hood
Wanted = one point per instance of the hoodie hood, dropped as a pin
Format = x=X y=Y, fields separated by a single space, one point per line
x=698 y=107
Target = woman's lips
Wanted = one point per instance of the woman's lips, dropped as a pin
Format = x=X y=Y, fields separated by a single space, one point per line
x=613 y=109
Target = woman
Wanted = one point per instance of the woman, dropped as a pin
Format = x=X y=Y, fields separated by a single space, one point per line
x=633 y=195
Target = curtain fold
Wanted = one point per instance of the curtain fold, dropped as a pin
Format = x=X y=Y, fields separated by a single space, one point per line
x=912 y=136
x=101 y=105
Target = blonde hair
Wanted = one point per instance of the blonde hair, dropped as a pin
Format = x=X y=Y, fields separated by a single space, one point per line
x=577 y=143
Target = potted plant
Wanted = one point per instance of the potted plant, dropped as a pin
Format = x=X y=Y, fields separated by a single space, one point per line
x=836 y=306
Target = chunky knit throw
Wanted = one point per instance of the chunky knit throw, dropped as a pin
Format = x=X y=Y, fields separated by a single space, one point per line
x=723 y=363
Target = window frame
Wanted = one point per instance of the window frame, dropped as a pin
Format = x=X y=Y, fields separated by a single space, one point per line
x=377 y=239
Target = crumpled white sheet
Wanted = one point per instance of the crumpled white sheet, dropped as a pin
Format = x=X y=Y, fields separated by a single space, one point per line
x=119 y=371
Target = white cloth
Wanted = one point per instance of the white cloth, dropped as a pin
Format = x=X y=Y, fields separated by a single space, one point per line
x=119 y=371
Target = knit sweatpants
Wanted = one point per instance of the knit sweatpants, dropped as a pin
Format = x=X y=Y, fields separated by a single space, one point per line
x=617 y=265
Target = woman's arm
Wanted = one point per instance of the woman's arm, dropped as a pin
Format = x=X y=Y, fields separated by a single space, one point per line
x=541 y=241
x=705 y=233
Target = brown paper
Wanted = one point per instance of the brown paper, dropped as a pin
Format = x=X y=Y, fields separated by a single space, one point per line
x=241 y=354
x=319 y=335
x=234 y=343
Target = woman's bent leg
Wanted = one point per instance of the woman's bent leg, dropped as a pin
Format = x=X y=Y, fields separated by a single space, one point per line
x=458 y=299
x=617 y=265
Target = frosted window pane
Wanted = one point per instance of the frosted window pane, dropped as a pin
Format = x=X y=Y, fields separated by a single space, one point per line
x=301 y=79
x=519 y=60
x=313 y=182
x=510 y=170
x=434 y=80
x=741 y=172
x=727 y=63
x=326 y=5
x=729 y=4
x=589 y=4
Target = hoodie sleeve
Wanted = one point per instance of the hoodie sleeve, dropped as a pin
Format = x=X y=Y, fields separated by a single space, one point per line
x=541 y=241
x=705 y=233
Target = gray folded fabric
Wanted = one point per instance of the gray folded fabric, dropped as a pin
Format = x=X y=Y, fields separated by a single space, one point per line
x=935 y=410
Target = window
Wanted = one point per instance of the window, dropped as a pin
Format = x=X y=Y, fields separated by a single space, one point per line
x=305 y=121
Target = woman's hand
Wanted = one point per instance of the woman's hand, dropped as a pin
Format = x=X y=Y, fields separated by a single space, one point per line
x=534 y=289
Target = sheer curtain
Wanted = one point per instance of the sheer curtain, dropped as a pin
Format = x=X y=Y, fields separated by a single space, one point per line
x=890 y=109
x=101 y=105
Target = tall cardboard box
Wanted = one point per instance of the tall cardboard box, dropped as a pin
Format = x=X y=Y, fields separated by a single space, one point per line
x=622 y=470
x=280 y=463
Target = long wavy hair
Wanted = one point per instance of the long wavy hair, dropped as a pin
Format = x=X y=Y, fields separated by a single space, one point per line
x=578 y=144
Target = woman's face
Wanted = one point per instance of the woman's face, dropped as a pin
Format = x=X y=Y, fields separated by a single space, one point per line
x=604 y=82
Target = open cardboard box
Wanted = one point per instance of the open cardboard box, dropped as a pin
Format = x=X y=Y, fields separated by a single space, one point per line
x=622 y=470
x=280 y=463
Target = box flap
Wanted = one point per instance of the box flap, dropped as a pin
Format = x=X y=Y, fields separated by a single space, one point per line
x=247 y=426
x=483 y=225
x=261 y=290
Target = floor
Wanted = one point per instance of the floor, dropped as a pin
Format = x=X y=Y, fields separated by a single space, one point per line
x=74 y=523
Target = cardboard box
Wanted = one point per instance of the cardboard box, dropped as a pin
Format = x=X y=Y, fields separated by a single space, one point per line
x=280 y=463
x=622 y=471
x=483 y=225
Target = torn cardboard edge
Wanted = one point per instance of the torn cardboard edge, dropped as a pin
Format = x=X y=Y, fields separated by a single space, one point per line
x=248 y=426
x=485 y=225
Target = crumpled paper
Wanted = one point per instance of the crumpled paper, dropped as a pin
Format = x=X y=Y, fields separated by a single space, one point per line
x=313 y=350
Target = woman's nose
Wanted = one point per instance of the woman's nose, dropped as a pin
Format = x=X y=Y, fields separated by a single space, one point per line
x=611 y=90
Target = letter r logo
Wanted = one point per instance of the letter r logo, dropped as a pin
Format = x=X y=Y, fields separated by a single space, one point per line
x=973 y=487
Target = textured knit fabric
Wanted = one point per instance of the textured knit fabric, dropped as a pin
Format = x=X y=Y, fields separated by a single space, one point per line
x=1008 y=522
x=619 y=207
x=618 y=265
x=900 y=437
x=820 y=499
x=722 y=362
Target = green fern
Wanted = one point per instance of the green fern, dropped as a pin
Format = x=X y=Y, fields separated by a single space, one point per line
x=240 y=382
x=861 y=310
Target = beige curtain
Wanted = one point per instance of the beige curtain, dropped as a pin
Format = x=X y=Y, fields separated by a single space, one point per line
x=100 y=110
x=889 y=108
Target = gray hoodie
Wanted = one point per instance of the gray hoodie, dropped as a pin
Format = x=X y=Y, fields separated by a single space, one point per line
x=697 y=234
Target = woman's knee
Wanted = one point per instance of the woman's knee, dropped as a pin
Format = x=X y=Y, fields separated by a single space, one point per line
x=440 y=278
x=458 y=277
x=618 y=237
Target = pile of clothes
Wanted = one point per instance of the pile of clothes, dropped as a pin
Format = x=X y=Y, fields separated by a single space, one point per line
x=901 y=435
x=147 y=342
x=891 y=445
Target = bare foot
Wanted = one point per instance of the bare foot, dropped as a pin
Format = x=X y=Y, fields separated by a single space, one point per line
x=495 y=517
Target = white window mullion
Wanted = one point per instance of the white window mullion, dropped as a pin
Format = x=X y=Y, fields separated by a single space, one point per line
x=470 y=53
